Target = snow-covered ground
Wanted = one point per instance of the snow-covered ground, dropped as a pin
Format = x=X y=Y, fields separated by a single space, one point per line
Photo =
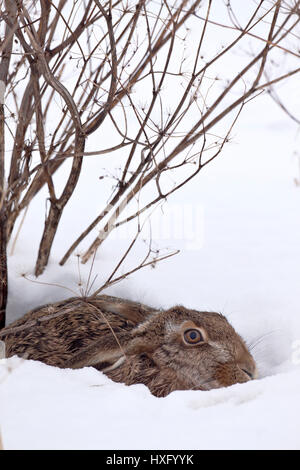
x=246 y=265
x=238 y=228
x=46 y=408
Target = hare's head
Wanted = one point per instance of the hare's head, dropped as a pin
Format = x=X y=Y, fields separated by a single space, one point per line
x=194 y=350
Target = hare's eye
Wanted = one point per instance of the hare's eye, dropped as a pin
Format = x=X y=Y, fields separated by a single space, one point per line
x=192 y=336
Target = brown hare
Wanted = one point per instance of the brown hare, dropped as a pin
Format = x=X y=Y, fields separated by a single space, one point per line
x=176 y=349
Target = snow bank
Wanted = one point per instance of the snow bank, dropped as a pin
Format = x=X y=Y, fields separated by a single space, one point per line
x=42 y=407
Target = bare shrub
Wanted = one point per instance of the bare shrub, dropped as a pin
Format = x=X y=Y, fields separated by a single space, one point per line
x=170 y=103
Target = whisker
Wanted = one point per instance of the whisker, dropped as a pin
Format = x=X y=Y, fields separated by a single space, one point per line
x=252 y=345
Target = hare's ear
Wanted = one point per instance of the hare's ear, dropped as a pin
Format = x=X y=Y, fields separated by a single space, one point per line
x=144 y=340
x=147 y=336
x=95 y=354
x=126 y=309
x=140 y=345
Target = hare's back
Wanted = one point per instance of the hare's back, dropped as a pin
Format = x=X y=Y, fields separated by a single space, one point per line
x=55 y=332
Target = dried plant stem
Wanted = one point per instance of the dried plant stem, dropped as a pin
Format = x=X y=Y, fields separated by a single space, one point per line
x=72 y=69
x=4 y=67
x=13 y=246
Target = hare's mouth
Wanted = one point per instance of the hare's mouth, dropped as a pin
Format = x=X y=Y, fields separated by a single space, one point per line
x=250 y=374
x=229 y=374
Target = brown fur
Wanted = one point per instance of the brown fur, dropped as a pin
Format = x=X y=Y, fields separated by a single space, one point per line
x=133 y=343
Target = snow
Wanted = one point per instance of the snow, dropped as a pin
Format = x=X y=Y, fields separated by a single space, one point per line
x=248 y=268
x=46 y=408
x=244 y=261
